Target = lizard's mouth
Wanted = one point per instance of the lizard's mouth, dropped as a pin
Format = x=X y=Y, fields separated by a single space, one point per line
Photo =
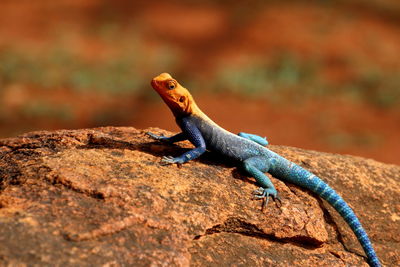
x=154 y=84
x=157 y=87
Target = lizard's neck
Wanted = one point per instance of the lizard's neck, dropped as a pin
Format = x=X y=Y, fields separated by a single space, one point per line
x=191 y=109
x=196 y=111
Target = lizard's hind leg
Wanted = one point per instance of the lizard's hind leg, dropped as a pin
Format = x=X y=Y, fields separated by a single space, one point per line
x=256 y=166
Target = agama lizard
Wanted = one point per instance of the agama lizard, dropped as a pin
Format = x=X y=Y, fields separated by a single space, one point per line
x=249 y=151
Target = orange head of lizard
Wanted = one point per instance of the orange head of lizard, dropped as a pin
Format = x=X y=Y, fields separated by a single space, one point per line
x=178 y=98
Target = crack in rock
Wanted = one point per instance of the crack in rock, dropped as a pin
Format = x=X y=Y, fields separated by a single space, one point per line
x=329 y=219
x=239 y=226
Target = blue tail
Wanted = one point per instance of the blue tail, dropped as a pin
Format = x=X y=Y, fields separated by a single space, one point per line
x=319 y=187
x=304 y=178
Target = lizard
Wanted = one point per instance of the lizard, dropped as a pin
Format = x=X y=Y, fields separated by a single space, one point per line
x=249 y=151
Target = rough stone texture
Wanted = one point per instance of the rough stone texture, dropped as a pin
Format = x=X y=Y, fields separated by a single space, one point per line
x=99 y=197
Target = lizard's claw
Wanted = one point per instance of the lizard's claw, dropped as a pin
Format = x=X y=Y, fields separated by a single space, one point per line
x=166 y=160
x=278 y=199
x=264 y=194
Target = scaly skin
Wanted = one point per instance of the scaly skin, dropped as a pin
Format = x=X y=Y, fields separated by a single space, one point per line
x=249 y=151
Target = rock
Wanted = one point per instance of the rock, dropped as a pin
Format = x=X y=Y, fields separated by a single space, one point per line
x=100 y=197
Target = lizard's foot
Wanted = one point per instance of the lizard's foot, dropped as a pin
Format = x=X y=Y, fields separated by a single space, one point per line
x=156 y=137
x=167 y=160
x=265 y=193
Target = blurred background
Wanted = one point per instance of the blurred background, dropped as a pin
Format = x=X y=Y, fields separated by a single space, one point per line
x=322 y=75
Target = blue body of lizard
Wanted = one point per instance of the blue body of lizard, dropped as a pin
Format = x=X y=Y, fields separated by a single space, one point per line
x=249 y=151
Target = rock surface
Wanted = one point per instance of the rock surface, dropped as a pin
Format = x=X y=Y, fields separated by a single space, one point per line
x=99 y=197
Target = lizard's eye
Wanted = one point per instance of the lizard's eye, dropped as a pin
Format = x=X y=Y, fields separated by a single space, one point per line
x=171 y=85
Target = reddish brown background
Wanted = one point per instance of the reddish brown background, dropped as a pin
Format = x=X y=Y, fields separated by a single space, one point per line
x=321 y=75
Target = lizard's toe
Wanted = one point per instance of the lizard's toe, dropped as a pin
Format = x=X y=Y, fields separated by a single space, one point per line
x=258 y=192
x=264 y=194
x=156 y=137
x=166 y=160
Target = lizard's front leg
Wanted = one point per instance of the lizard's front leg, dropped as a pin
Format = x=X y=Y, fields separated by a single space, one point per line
x=194 y=135
x=255 y=138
